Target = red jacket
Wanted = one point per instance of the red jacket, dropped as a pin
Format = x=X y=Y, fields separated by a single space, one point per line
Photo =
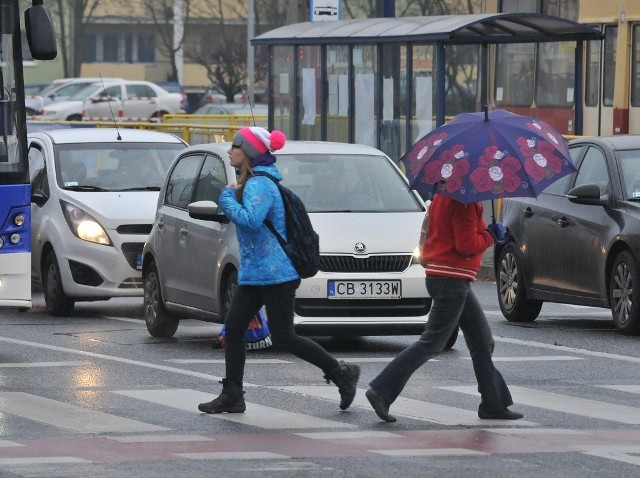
x=457 y=237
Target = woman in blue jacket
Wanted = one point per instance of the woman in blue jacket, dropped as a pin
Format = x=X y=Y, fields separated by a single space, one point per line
x=266 y=276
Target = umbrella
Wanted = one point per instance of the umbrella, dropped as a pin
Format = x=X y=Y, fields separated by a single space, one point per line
x=488 y=155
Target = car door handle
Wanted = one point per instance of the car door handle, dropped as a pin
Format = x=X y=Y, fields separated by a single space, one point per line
x=562 y=222
x=184 y=231
x=160 y=225
x=528 y=212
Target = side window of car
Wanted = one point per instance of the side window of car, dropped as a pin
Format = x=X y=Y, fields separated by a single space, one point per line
x=149 y=92
x=114 y=92
x=38 y=172
x=593 y=170
x=559 y=187
x=211 y=180
x=181 y=182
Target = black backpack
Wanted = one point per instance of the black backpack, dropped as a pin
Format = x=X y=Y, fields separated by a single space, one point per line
x=303 y=248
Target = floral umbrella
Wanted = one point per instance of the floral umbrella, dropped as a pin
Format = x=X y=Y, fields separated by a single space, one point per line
x=488 y=155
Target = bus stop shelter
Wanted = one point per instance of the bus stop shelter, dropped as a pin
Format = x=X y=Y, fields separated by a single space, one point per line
x=383 y=81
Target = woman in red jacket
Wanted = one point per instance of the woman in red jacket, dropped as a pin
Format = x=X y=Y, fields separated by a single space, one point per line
x=457 y=236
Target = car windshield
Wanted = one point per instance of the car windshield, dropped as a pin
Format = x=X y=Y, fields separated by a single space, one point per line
x=629 y=162
x=114 y=166
x=85 y=92
x=346 y=183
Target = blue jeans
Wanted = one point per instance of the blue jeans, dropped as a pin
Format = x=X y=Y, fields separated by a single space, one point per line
x=278 y=300
x=454 y=303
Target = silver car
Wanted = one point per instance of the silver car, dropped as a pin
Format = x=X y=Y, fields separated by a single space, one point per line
x=94 y=193
x=370 y=282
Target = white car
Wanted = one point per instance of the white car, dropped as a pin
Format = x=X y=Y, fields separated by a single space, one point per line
x=368 y=220
x=126 y=100
x=94 y=194
x=58 y=90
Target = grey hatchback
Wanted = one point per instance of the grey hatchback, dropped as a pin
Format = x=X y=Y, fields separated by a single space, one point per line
x=579 y=241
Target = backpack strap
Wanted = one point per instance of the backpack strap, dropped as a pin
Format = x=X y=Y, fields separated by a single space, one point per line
x=266 y=221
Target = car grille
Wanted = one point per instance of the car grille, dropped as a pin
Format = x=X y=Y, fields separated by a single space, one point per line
x=130 y=251
x=134 y=229
x=131 y=283
x=393 y=263
x=411 y=307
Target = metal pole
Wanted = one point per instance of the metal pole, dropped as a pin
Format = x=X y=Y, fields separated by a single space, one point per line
x=178 y=34
x=251 y=19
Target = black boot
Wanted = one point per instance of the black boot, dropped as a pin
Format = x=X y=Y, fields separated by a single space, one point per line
x=231 y=400
x=345 y=376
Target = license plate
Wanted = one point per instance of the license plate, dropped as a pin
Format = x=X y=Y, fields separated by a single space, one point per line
x=139 y=261
x=364 y=289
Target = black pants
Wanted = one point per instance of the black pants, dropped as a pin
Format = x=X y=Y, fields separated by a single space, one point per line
x=279 y=302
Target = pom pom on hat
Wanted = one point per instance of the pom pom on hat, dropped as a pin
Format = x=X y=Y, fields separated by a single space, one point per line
x=255 y=141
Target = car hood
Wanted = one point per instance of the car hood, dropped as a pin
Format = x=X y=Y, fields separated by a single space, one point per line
x=379 y=232
x=113 y=209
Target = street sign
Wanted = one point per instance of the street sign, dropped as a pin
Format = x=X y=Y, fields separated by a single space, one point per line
x=325 y=10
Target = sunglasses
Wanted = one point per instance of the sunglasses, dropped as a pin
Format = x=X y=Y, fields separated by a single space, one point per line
x=233 y=145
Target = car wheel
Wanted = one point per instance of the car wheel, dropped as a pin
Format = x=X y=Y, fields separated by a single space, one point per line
x=75 y=118
x=56 y=301
x=624 y=294
x=512 y=296
x=229 y=288
x=160 y=323
x=452 y=340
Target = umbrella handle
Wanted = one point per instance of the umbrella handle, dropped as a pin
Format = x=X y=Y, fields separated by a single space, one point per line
x=493 y=213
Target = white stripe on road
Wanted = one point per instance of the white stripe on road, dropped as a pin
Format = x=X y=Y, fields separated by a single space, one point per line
x=624 y=454
x=221 y=361
x=159 y=438
x=542 y=358
x=41 y=460
x=406 y=407
x=42 y=364
x=256 y=415
x=348 y=435
x=622 y=388
x=8 y=443
x=70 y=417
x=566 y=404
x=430 y=452
x=233 y=455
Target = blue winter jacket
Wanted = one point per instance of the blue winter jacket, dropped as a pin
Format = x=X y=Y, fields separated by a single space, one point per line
x=262 y=259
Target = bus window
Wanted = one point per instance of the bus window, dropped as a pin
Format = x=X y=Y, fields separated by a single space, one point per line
x=514 y=74
x=555 y=74
x=610 y=40
x=592 y=74
x=635 y=66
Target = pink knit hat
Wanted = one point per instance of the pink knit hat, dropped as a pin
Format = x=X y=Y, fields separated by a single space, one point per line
x=255 y=141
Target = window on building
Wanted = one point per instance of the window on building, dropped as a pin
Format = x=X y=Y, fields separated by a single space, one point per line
x=89 y=48
x=110 y=48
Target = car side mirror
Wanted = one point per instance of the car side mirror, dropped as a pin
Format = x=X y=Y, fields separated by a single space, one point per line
x=586 y=194
x=206 y=211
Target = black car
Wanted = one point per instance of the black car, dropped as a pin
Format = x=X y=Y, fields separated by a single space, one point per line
x=579 y=241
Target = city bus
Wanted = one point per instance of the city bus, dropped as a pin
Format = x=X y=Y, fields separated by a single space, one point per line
x=539 y=80
x=39 y=42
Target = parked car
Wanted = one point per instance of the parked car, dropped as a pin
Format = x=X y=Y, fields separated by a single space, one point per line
x=370 y=282
x=242 y=114
x=175 y=87
x=579 y=241
x=59 y=90
x=213 y=94
x=127 y=100
x=94 y=193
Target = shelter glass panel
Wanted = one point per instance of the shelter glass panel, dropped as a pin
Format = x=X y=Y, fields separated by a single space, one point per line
x=393 y=63
x=461 y=78
x=514 y=74
x=338 y=93
x=424 y=91
x=309 y=90
x=366 y=91
x=282 y=81
x=592 y=75
x=556 y=74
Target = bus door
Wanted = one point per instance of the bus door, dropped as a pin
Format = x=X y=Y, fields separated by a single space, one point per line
x=634 y=105
x=599 y=111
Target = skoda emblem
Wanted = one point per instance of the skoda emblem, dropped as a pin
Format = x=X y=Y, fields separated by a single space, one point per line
x=360 y=248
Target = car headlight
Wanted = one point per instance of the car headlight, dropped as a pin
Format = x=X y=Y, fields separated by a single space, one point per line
x=50 y=113
x=416 y=256
x=83 y=225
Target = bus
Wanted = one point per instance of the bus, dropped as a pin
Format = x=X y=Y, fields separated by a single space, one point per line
x=539 y=80
x=15 y=191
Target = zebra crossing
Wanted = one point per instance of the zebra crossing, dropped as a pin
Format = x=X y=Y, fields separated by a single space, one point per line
x=295 y=431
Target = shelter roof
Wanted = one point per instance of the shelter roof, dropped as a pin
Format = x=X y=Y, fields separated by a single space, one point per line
x=449 y=29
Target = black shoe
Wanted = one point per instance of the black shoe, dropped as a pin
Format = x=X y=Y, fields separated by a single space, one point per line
x=379 y=405
x=345 y=376
x=231 y=400
x=505 y=414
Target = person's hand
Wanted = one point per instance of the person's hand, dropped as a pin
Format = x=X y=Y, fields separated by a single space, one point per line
x=499 y=233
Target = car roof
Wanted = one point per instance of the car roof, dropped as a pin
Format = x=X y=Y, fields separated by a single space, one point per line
x=105 y=135
x=297 y=147
x=621 y=141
